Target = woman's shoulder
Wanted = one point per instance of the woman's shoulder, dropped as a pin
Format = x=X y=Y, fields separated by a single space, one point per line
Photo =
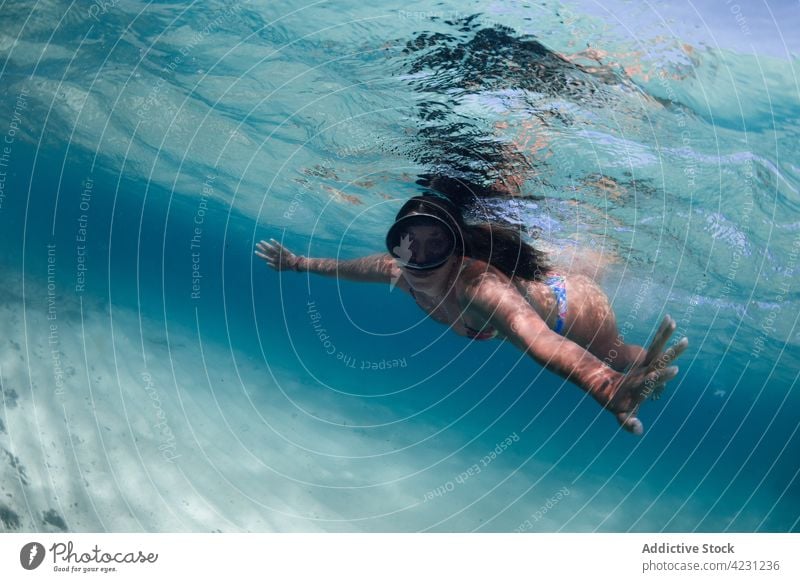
x=473 y=267
x=475 y=271
x=477 y=268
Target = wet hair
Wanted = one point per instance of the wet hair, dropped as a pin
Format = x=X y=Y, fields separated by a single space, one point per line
x=499 y=245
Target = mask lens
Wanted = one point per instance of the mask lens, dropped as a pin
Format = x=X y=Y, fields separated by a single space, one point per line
x=421 y=241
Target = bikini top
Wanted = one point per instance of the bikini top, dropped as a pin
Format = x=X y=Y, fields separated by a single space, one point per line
x=556 y=282
x=487 y=332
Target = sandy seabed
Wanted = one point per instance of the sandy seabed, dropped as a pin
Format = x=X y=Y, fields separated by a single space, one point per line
x=110 y=421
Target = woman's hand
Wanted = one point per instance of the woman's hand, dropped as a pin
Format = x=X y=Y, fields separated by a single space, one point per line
x=277 y=256
x=622 y=394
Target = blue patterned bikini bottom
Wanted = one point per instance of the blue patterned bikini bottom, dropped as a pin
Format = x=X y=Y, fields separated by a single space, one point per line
x=558 y=285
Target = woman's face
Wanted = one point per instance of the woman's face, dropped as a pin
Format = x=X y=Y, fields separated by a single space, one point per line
x=422 y=244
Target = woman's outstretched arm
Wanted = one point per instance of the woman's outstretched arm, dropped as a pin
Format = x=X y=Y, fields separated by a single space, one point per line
x=498 y=303
x=380 y=268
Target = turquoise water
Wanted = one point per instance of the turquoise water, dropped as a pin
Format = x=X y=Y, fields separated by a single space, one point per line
x=158 y=378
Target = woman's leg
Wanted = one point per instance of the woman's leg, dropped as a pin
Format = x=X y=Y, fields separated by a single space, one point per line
x=593 y=325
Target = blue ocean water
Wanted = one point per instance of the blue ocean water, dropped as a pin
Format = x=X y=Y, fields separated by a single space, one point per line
x=157 y=377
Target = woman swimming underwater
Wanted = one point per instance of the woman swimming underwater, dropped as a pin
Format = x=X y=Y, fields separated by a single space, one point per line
x=485 y=282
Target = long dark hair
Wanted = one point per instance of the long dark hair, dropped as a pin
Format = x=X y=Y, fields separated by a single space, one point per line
x=499 y=245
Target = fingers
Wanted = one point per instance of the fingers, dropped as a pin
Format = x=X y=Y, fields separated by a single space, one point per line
x=656 y=375
x=272 y=244
x=660 y=340
x=660 y=383
x=655 y=383
x=266 y=256
x=270 y=251
x=660 y=376
x=270 y=262
x=662 y=362
x=272 y=247
x=264 y=249
x=629 y=422
x=657 y=392
x=676 y=350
